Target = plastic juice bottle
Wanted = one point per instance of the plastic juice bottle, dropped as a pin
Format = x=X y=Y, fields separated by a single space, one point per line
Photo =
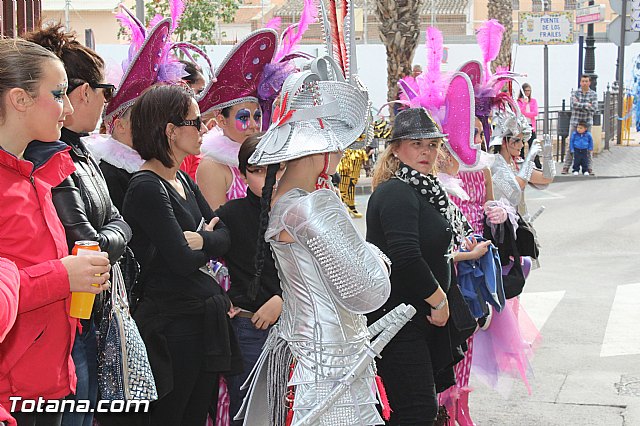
x=81 y=302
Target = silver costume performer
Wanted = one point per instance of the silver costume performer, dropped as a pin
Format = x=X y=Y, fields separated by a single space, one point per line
x=328 y=274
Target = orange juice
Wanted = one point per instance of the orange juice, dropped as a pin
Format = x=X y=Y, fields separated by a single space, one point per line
x=81 y=302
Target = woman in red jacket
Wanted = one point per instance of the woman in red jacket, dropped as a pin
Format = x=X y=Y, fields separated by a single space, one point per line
x=35 y=356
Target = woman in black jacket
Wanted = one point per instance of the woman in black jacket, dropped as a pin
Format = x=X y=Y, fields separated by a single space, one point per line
x=182 y=315
x=410 y=219
x=82 y=200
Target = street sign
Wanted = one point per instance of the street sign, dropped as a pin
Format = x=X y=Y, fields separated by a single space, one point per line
x=589 y=15
x=546 y=27
x=613 y=32
x=616 y=5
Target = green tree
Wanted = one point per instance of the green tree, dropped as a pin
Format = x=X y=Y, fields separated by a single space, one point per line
x=199 y=20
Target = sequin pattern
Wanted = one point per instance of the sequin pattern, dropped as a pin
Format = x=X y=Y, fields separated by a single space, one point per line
x=124 y=371
x=473 y=208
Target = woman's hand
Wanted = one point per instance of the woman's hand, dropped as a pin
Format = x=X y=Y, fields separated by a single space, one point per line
x=194 y=240
x=233 y=311
x=85 y=271
x=495 y=214
x=479 y=249
x=439 y=317
x=211 y=225
x=268 y=313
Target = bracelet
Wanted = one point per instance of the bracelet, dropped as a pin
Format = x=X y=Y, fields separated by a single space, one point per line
x=440 y=305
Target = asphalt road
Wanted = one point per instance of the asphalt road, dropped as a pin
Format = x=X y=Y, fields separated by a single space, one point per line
x=586 y=300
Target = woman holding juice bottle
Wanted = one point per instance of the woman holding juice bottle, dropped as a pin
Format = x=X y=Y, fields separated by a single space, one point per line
x=35 y=356
x=82 y=200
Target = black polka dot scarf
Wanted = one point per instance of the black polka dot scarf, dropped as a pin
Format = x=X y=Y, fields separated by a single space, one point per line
x=430 y=187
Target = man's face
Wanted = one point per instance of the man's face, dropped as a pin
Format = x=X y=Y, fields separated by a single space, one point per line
x=417 y=70
x=585 y=82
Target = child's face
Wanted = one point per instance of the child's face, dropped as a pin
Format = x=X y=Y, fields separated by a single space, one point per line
x=581 y=129
x=255 y=176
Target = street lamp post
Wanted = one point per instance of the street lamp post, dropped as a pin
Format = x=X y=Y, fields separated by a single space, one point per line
x=140 y=10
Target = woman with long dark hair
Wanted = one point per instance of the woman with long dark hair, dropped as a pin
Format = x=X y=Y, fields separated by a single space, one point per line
x=330 y=276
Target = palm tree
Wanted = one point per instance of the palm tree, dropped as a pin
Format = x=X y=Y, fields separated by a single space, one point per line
x=399 y=31
x=502 y=10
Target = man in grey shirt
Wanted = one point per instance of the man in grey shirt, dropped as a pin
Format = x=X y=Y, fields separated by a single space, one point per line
x=584 y=104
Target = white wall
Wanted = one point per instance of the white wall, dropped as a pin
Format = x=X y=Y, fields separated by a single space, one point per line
x=563 y=64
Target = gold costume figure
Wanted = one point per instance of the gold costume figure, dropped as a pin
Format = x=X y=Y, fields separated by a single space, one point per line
x=349 y=170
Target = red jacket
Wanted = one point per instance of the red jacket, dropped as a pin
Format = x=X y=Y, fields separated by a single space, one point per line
x=9 y=287
x=35 y=357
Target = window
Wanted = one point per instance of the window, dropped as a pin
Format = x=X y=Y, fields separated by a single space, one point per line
x=570 y=4
x=515 y=4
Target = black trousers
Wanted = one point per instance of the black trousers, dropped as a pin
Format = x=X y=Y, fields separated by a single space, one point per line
x=38 y=419
x=407 y=374
x=194 y=390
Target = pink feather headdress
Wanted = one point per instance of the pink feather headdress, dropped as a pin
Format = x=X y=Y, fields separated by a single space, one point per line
x=149 y=59
x=282 y=65
x=486 y=85
x=448 y=99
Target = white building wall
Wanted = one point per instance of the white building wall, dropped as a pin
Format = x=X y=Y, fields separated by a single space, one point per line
x=563 y=64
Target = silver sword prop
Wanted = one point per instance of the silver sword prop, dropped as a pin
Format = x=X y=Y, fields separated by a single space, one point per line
x=387 y=327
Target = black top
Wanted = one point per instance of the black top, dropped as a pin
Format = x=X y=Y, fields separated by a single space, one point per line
x=117 y=181
x=415 y=236
x=176 y=296
x=158 y=215
x=242 y=217
x=84 y=205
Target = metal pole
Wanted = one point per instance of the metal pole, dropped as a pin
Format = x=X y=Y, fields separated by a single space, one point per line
x=67 y=20
x=623 y=29
x=140 y=10
x=580 y=52
x=364 y=24
x=433 y=13
x=545 y=126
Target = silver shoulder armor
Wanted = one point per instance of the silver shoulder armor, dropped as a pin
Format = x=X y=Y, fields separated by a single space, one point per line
x=352 y=269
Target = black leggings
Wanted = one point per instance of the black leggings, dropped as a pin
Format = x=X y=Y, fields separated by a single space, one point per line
x=407 y=374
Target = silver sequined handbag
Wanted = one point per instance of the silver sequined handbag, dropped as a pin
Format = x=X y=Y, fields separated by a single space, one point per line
x=124 y=372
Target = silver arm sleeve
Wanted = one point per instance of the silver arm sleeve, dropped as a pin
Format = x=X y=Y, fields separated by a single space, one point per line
x=352 y=269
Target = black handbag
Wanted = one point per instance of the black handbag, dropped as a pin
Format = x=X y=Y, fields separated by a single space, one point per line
x=526 y=240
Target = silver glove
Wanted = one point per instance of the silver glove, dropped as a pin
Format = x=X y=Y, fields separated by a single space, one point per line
x=548 y=166
x=527 y=168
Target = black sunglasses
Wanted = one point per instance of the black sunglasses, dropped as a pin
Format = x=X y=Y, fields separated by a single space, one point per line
x=197 y=123
x=108 y=89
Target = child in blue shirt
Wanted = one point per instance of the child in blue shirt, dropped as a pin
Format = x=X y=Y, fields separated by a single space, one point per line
x=580 y=145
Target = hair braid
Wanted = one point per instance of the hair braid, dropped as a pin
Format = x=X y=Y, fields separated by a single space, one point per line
x=262 y=246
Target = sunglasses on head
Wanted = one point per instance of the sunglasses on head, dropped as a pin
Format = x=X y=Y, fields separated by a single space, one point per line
x=197 y=123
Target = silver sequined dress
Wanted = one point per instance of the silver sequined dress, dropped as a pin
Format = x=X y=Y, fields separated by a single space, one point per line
x=330 y=276
x=506 y=186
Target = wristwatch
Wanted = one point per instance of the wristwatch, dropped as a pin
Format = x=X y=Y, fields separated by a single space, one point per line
x=440 y=305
